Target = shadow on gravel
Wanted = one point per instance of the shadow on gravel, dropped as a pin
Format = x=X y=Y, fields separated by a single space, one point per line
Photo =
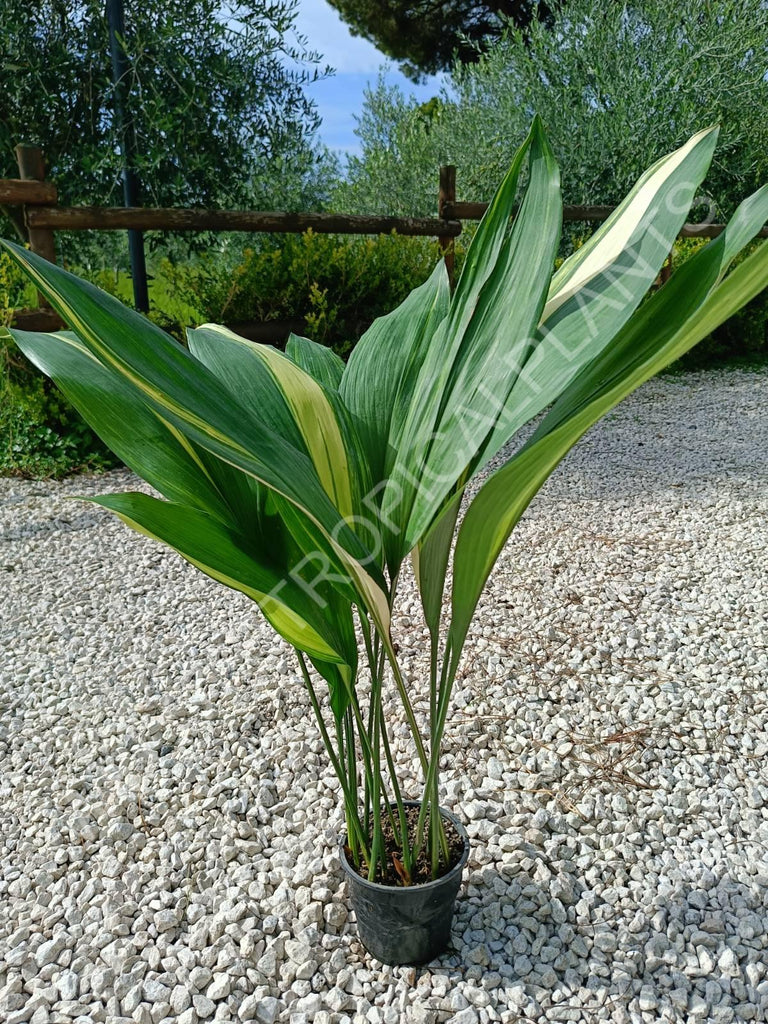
x=612 y=463
x=697 y=950
x=86 y=520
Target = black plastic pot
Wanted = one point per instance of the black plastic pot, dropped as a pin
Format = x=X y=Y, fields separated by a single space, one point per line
x=408 y=925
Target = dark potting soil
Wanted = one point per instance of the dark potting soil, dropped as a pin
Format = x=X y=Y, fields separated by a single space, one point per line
x=422 y=869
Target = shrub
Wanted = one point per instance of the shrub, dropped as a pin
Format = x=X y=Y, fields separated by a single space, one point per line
x=15 y=290
x=370 y=468
x=742 y=338
x=602 y=76
x=338 y=284
x=41 y=434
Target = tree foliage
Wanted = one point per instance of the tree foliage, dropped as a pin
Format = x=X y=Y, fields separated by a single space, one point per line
x=216 y=100
x=616 y=85
x=426 y=36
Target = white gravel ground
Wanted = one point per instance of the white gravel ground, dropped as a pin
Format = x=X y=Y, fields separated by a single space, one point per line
x=167 y=818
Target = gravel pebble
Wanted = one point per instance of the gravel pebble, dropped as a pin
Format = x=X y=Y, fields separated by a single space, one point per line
x=169 y=820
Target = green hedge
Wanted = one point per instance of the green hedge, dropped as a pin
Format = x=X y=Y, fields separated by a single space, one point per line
x=743 y=338
x=41 y=434
x=338 y=284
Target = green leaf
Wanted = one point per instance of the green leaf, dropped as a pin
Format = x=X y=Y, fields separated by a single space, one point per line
x=379 y=380
x=659 y=319
x=319 y=361
x=662 y=195
x=429 y=376
x=230 y=558
x=180 y=389
x=193 y=479
x=472 y=358
x=296 y=406
x=591 y=297
x=236 y=364
x=152 y=447
x=339 y=678
x=430 y=564
x=689 y=307
x=598 y=288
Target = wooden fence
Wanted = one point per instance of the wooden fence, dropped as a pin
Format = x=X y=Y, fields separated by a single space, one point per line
x=33 y=203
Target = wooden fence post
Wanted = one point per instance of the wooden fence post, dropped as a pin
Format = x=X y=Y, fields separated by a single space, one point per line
x=447 y=195
x=32 y=168
x=41 y=240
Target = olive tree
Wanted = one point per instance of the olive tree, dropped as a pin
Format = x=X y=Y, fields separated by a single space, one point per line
x=615 y=84
x=215 y=97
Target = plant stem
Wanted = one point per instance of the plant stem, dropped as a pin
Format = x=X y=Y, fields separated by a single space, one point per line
x=433 y=656
x=366 y=631
x=378 y=852
x=367 y=795
x=375 y=655
x=447 y=675
x=376 y=663
x=371 y=761
x=352 y=773
x=350 y=803
x=352 y=840
x=401 y=835
x=407 y=707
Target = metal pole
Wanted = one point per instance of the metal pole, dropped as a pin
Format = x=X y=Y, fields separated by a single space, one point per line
x=120 y=69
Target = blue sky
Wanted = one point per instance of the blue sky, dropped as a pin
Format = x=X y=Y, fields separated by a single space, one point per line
x=357 y=64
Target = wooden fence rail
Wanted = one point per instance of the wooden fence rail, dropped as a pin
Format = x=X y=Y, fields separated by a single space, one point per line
x=18 y=192
x=33 y=203
x=475 y=211
x=82 y=218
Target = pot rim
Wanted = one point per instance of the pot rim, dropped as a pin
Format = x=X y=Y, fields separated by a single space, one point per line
x=457 y=869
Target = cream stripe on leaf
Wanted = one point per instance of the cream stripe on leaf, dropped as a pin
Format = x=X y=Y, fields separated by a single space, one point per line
x=317 y=422
x=317 y=360
x=604 y=283
x=234 y=363
x=662 y=184
x=265 y=380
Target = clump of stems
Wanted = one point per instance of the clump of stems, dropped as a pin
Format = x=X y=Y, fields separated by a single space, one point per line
x=360 y=750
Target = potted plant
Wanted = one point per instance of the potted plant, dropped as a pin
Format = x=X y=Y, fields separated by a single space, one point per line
x=307 y=484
